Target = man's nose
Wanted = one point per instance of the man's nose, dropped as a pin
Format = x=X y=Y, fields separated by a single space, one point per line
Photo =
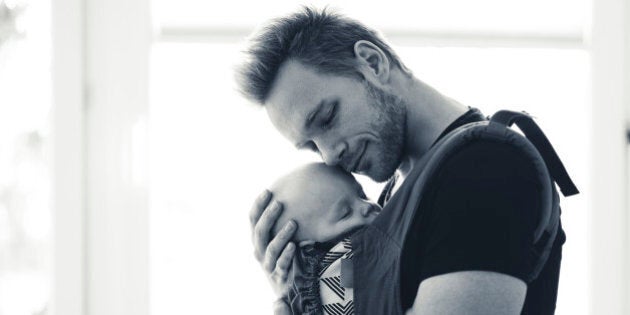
x=333 y=154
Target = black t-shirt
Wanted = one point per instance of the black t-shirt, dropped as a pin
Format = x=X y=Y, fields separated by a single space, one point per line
x=479 y=213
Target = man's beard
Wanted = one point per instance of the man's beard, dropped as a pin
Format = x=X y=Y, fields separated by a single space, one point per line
x=391 y=127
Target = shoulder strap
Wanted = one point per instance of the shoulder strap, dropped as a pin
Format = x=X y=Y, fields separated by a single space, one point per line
x=543 y=242
x=531 y=130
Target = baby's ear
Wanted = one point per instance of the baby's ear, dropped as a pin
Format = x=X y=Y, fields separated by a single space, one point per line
x=306 y=243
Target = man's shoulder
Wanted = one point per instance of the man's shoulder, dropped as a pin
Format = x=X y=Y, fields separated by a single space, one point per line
x=486 y=160
x=486 y=178
x=475 y=163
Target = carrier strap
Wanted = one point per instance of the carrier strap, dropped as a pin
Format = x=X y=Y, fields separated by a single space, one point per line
x=526 y=123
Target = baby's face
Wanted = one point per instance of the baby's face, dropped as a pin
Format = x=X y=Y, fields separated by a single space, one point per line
x=325 y=202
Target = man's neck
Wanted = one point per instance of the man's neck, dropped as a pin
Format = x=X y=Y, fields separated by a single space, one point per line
x=429 y=113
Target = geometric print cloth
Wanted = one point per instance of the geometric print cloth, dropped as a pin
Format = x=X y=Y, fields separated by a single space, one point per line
x=335 y=280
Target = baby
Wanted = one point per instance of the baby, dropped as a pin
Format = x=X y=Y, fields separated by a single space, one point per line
x=326 y=202
x=328 y=205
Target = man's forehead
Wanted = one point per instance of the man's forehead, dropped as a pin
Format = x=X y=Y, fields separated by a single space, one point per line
x=296 y=84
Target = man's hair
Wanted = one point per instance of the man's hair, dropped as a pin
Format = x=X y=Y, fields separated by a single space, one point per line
x=321 y=39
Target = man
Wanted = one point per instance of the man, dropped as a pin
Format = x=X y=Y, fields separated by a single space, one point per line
x=331 y=85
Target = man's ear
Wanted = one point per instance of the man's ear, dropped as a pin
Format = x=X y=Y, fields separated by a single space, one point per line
x=372 y=62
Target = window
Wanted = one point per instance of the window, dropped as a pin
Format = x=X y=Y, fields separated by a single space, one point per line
x=25 y=213
x=212 y=153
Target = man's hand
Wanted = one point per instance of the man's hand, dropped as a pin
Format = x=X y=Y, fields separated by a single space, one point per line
x=275 y=255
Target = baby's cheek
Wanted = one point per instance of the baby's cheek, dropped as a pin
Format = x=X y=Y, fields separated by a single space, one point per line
x=315 y=231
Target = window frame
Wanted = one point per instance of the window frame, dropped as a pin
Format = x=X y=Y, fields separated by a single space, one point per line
x=68 y=174
x=609 y=247
x=100 y=70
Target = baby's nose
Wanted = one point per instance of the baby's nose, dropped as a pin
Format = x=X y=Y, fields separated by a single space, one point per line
x=368 y=208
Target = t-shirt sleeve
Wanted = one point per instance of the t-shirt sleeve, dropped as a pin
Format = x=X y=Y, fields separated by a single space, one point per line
x=485 y=207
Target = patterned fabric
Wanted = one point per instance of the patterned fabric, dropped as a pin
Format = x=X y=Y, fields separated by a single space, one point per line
x=335 y=280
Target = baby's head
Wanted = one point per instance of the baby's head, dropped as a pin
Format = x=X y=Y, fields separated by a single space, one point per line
x=325 y=202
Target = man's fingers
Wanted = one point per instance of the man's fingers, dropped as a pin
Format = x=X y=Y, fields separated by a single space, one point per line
x=259 y=206
x=263 y=228
x=277 y=245
x=285 y=261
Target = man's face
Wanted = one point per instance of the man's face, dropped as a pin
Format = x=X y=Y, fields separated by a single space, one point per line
x=348 y=122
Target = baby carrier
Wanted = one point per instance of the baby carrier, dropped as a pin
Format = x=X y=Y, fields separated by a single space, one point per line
x=378 y=246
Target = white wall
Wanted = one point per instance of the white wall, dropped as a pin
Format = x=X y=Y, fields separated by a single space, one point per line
x=609 y=220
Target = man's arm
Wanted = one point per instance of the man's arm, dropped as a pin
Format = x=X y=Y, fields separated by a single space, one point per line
x=470 y=292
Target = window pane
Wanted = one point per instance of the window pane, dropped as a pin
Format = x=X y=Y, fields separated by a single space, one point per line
x=212 y=153
x=530 y=16
x=25 y=217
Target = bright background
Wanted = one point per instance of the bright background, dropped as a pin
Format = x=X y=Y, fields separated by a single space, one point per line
x=128 y=162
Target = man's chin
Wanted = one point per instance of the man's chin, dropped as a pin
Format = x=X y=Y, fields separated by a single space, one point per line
x=380 y=174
